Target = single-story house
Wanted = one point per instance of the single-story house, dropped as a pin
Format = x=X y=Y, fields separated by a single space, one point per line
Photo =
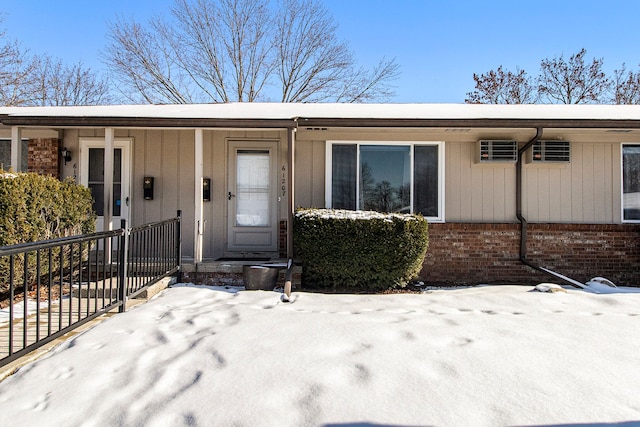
x=504 y=187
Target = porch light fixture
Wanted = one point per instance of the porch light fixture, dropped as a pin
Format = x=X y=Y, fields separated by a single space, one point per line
x=66 y=155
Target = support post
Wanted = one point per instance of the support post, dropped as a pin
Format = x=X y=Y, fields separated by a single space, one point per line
x=108 y=178
x=123 y=248
x=291 y=199
x=198 y=214
x=178 y=238
x=16 y=149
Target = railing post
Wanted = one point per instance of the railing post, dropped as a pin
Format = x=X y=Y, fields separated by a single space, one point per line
x=179 y=246
x=123 y=247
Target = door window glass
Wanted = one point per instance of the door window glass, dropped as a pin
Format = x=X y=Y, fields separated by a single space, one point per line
x=96 y=180
x=252 y=188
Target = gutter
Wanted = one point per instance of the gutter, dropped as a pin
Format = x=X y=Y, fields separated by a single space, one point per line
x=144 y=122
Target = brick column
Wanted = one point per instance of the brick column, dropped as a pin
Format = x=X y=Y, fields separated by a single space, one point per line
x=43 y=157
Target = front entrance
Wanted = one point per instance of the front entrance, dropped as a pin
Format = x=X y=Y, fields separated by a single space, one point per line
x=252 y=197
x=92 y=176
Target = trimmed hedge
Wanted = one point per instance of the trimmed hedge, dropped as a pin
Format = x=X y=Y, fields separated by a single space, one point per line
x=359 y=251
x=37 y=207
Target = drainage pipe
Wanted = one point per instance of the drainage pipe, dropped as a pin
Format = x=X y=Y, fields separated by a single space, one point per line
x=523 y=220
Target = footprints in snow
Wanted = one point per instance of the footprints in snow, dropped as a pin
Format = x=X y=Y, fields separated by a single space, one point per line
x=62 y=373
x=41 y=403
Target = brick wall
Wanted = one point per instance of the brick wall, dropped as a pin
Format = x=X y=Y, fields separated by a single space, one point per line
x=43 y=156
x=470 y=253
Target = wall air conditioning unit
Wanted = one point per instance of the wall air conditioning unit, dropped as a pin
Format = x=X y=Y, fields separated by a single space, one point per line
x=497 y=151
x=550 y=151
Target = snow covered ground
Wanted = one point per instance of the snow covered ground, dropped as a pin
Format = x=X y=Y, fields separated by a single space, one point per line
x=481 y=356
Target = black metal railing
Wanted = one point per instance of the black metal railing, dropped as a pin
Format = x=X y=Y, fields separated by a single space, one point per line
x=54 y=286
x=153 y=254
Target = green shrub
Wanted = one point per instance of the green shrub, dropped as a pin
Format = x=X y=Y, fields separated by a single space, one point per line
x=37 y=207
x=359 y=251
x=34 y=208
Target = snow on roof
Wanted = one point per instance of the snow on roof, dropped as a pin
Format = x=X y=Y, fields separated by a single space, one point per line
x=286 y=111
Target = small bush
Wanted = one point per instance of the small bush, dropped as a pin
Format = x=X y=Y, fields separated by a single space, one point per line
x=34 y=208
x=359 y=251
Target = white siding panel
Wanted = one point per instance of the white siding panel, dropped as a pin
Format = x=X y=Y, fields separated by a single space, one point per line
x=477 y=192
x=453 y=185
x=582 y=191
x=304 y=158
x=318 y=166
x=577 y=183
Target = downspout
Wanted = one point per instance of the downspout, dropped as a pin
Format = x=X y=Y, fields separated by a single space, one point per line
x=521 y=218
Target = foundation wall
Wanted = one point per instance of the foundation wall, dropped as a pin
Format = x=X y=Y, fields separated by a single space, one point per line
x=473 y=253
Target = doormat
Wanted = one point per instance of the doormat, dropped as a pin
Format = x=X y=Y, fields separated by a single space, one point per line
x=242 y=259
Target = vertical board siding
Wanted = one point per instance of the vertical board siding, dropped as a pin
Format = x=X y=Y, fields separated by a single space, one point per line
x=304 y=158
x=310 y=173
x=477 y=192
x=169 y=174
x=318 y=167
x=585 y=190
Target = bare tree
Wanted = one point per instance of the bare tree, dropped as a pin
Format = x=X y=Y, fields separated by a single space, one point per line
x=56 y=84
x=502 y=87
x=28 y=80
x=16 y=68
x=144 y=65
x=374 y=85
x=224 y=47
x=626 y=86
x=572 y=81
x=314 y=66
x=236 y=50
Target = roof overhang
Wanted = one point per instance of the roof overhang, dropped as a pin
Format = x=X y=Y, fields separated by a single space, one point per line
x=144 y=122
x=323 y=115
x=468 y=123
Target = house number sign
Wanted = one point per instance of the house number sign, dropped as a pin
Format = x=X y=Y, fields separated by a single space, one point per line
x=283 y=181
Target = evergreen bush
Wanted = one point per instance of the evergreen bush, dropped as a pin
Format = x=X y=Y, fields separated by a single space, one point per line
x=37 y=207
x=359 y=251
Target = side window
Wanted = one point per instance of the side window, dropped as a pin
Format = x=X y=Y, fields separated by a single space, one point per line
x=631 y=182
x=5 y=154
x=344 y=171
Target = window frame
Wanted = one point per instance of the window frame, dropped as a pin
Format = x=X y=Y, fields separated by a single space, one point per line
x=24 y=167
x=626 y=221
x=411 y=144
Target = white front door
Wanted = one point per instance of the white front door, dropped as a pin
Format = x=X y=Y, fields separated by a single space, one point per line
x=92 y=176
x=252 y=196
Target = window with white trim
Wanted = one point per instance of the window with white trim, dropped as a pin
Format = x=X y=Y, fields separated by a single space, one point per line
x=631 y=182
x=386 y=177
x=5 y=155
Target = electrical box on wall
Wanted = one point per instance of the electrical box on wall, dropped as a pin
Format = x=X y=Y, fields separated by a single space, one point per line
x=206 y=189
x=148 y=187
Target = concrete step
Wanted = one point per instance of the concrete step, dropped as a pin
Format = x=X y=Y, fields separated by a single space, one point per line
x=230 y=273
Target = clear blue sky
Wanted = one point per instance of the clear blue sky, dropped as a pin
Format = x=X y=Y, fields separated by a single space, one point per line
x=438 y=44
